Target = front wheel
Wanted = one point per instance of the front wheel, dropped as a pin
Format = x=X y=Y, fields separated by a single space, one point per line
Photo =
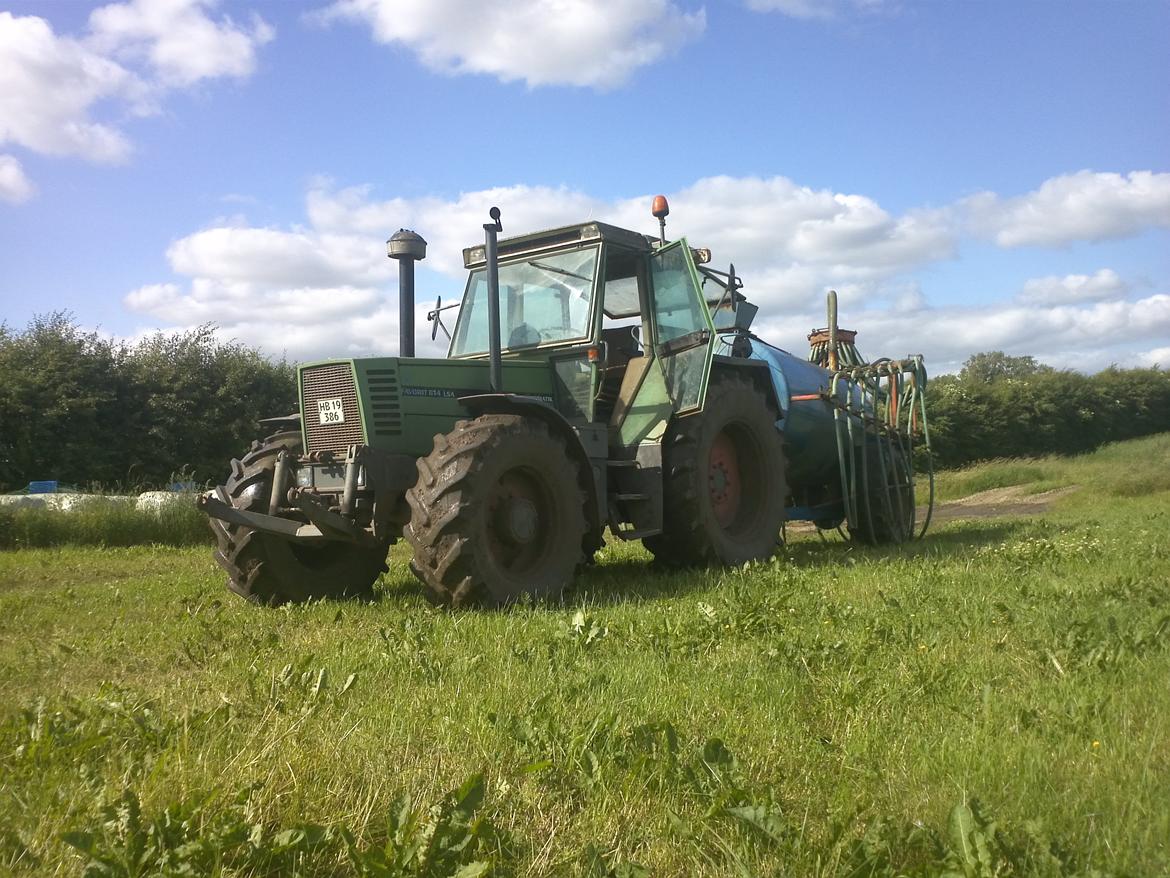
x=724 y=479
x=496 y=513
x=266 y=569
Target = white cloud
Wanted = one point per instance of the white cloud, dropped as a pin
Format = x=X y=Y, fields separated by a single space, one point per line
x=1159 y=357
x=179 y=41
x=542 y=42
x=1084 y=337
x=790 y=237
x=796 y=241
x=790 y=243
x=816 y=9
x=52 y=86
x=48 y=84
x=273 y=259
x=1085 y=206
x=242 y=303
x=15 y=187
x=327 y=289
x=1073 y=288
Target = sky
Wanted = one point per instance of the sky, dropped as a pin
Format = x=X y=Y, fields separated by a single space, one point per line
x=969 y=176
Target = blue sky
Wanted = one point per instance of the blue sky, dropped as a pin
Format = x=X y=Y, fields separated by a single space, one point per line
x=970 y=176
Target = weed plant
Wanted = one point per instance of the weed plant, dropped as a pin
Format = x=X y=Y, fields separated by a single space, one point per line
x=991 y=701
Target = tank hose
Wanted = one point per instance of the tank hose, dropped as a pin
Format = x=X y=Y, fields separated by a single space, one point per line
x=879 y=416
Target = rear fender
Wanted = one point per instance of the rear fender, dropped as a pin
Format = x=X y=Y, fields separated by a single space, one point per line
x=759 y=373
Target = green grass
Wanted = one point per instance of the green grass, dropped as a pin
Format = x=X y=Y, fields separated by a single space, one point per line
x=100 y=521
x=1121 y=469
x=992 y=700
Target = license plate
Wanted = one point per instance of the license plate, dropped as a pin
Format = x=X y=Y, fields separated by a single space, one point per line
x=330 y=411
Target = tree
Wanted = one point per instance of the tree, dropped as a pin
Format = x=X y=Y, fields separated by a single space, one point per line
x=197 y=400
x=60 y=383
x=994 y=365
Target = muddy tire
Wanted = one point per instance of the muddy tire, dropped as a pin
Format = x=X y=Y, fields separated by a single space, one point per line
x=269 y=570
x=724 y=479
x=886 y=517
x=496 y=514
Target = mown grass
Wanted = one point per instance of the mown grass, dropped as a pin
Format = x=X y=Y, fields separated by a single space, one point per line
x=990 y=701
x=1122 y=469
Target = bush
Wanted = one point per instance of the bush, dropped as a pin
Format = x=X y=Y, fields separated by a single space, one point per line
x=1019 y=408
x=79 y=408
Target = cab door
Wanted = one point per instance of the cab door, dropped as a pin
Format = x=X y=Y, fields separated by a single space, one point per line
x=684 y=337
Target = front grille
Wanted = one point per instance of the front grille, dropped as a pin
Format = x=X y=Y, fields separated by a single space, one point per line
x=334 y=381
x=385 y=405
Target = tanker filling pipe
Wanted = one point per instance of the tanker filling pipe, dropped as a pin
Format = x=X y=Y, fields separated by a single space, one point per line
x=833 y=331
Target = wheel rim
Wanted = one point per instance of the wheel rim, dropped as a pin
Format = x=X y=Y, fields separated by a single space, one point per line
x=520 y=519
x=724 y=481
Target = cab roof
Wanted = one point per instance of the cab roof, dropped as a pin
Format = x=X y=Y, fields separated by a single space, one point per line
x=550 y=239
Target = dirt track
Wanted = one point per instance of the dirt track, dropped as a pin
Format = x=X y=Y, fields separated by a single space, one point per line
x=997 y=502
x=986 y=504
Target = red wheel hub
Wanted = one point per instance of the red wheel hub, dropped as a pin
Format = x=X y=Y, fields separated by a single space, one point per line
x=723 y=479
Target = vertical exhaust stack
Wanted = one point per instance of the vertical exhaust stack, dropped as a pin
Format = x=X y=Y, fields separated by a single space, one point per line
x=407 y=247
x=495 y=365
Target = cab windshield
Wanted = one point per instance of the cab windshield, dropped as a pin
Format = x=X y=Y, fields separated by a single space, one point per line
x=543 y=299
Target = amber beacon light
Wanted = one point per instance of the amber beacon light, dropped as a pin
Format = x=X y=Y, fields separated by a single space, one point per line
x=661 y=209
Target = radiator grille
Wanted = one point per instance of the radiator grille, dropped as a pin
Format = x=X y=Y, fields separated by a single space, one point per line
x=385 y=404
x=334 y=381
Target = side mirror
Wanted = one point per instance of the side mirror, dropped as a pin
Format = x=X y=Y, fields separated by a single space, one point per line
x=436 y=317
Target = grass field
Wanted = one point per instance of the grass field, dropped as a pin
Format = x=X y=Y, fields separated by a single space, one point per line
x=993 y=700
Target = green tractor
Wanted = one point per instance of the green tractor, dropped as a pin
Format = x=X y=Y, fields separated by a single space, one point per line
x=596 y=378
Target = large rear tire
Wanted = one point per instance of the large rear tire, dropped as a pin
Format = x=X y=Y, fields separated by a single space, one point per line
x=886 y=515
x=496 y=513
x=266 y=569
x=724 y=485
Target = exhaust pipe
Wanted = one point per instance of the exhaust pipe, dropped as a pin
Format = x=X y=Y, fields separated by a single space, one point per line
x=407 y=247
x=495 y=365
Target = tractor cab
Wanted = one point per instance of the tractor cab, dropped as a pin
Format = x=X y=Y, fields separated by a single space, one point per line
x=624 y=320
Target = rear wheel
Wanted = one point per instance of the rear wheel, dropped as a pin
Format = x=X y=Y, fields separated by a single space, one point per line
x=724 y=479
x=885 y=513
x=266 y=569
x=496 y=513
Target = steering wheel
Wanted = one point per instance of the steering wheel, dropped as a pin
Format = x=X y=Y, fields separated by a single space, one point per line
x=558 y=333
x=524 y=336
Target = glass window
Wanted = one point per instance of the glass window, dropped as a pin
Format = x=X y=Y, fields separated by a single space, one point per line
x=621 y=297
x=542 y=299
x=679 y=309
x=621 y=282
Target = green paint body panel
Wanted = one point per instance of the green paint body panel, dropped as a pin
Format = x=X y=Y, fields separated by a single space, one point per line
x=426 y=395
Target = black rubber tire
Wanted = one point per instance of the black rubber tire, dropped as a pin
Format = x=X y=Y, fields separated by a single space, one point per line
x=692 y=532
x=880 y=523
x=268 y=570
x=462 y=551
